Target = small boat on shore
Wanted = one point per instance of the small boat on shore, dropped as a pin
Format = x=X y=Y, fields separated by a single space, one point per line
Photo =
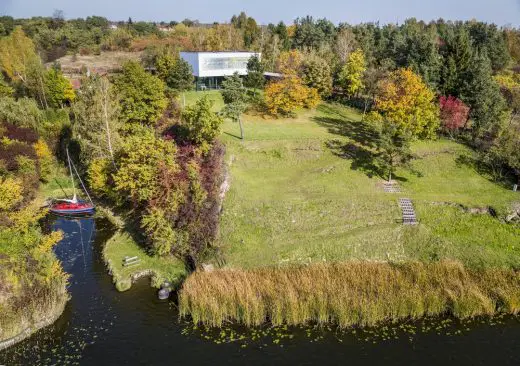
x=73 y=206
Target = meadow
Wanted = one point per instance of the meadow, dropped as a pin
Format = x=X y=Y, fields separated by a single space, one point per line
x=308 y=189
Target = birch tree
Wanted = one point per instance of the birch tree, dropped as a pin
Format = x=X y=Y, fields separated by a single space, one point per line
x=96 y=122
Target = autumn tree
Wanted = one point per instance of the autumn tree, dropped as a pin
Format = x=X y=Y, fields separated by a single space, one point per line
x=17 y=55
x=141 y=94
x=407 y=102
x=453 y=113
x=318 y=75
x=345 y=44
x=290 y=63
x=139 y=161
x=285 y=96
x=96 y=119
x=510 y=87
x=351 y=75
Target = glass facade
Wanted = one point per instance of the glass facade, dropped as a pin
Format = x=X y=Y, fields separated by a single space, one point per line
x=225 y=63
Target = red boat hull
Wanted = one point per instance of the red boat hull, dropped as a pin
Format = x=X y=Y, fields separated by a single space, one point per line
x=67 y=208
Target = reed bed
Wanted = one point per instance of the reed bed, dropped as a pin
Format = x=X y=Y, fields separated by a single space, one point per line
x=347 y=294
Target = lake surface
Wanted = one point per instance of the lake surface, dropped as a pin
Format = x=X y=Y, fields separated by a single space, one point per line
x=101 y=326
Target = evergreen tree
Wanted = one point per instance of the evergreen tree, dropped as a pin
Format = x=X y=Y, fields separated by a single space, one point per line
x=255 y=73
x=234 y=95
x=482 y=94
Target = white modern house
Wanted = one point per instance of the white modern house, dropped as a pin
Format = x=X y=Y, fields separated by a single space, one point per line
x=210 y=68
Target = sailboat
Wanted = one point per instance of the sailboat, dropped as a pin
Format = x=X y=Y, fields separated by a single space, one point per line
x=73 y=206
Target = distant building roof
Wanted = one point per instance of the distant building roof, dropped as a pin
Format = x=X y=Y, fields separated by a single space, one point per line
x=217 y=64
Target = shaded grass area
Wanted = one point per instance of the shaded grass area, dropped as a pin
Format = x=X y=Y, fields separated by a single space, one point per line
x=348 y=294
x=309 y=189
x=160 y=269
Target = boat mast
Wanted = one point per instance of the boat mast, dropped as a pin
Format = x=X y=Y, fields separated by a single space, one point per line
x=71 y=175
x=81 y=181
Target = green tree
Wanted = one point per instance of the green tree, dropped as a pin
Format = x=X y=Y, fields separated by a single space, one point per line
x=202 y=124
x=141 y=94
x=175 y=72
x=255 y=73
x=457 y=53
x=317 y=75
x=5 y=89
x=351 y=75
x=58 y=88
x=480 y=91
x=139 y=161
x=235 y=96
x=393 y=147
x=233 y=89
x=96 y=119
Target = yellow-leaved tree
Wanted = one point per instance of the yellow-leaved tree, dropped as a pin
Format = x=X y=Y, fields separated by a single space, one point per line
x=285 y=96
x=406 y=101
x=351 y=75
x=17 y=55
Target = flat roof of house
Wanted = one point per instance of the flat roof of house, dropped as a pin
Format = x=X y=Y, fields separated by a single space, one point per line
x=220 y=52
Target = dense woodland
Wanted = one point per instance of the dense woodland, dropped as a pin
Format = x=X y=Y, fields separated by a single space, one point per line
x=162 y=164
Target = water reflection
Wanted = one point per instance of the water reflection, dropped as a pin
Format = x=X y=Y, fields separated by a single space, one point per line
x=103 y=327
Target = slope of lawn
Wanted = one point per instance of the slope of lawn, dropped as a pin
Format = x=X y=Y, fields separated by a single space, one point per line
x=308 y=189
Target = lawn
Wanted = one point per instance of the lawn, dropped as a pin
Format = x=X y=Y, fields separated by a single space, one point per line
x=307 y=189
x=159 y=268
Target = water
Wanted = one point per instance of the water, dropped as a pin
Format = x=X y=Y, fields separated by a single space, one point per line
x=101 y=326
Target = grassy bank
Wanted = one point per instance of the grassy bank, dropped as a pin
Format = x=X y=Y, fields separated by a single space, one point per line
x=348 y=294
x=159 y=269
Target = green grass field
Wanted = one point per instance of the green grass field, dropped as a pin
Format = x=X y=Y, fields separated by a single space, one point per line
x=308 y=190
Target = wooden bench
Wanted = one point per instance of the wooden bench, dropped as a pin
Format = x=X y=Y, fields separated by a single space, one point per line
x=130 y=261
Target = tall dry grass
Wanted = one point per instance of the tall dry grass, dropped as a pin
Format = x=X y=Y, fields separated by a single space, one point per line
x=352 y=293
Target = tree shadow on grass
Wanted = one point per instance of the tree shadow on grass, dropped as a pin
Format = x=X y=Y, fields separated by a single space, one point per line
x=361 y=146
x=505 y=179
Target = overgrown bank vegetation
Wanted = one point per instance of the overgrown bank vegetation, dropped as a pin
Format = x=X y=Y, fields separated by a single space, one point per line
x=33 y=285
x=348 y=294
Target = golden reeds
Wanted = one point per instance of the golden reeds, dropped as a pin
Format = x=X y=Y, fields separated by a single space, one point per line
x=351 y=293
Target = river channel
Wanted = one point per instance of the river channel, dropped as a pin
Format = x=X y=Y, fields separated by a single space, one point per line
x=101 y=326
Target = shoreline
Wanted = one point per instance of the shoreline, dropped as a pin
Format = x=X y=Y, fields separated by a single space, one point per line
x=49 y=319
x=347 y=294
x=121 y=244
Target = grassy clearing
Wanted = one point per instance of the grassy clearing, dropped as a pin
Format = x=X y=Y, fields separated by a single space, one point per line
x=106 y=61
x=308 y=191
x=160 y=269
x=348 y=294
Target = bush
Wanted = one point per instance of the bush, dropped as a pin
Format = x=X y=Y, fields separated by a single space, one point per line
x=202 y=124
